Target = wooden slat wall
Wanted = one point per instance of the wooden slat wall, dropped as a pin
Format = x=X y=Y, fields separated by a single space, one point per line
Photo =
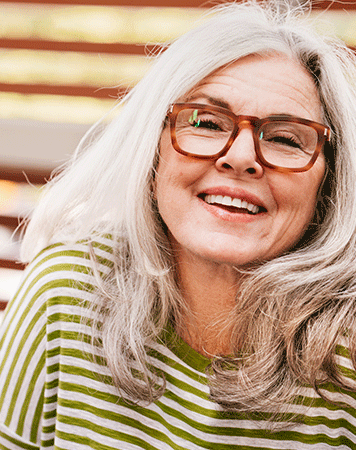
x=116 y=48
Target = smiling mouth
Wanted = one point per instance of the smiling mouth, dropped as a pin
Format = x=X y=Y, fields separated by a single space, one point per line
x=234 y=205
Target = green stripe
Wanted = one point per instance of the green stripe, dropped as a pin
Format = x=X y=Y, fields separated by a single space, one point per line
x=182 y=384
x=181 y=349
x=124 y=420
x=12 y=441
x=198 y=377
x=22 y=376
x=30 y=391
x=100 y=446
x=37 y=417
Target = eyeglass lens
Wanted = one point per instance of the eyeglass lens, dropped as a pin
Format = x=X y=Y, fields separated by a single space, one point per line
x=284 y=144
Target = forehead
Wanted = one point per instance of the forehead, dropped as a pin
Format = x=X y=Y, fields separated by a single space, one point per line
x=261 y=85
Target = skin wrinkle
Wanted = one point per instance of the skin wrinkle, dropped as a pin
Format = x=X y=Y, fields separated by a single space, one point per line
x=224 y=82
x=194 y=94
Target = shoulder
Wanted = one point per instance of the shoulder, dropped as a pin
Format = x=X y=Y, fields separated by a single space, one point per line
x=71 y=261
x=52 y=304
x=63 y=273
x=76 y=257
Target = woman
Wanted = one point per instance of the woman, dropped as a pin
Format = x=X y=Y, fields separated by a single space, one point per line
x=204 y=290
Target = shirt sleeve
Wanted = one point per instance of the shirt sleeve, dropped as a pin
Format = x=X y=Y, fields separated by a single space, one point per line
x=22 y=365
x=30 y=344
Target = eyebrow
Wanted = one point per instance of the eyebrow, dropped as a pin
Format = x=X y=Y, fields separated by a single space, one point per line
x=224 y=104
x=212 y=100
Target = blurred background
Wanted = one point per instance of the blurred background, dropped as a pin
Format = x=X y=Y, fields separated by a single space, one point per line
x=63 y=64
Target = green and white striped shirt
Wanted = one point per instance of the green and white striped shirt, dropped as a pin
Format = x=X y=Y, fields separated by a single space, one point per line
x=53 y=396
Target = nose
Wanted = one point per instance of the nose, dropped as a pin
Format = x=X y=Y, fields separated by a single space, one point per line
x=241 y=158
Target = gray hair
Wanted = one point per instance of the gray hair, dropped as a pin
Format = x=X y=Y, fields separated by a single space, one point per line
x=108 y=189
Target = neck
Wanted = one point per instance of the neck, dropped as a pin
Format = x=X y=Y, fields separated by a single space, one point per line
x=210 y=294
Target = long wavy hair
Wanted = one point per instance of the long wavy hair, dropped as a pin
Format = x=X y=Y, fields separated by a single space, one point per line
x=291 y=311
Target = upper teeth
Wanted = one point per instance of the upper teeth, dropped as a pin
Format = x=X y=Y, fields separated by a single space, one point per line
x=229 y=201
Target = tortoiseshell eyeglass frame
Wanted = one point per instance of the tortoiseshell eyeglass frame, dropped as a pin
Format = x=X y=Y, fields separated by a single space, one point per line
x=252 y=122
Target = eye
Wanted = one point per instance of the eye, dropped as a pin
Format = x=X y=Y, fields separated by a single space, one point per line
x=291 y=141
x=207 y=121
x=287 y=137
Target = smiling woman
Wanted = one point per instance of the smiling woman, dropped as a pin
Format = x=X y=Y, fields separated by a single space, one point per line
x=195 y=286
x=256 y=85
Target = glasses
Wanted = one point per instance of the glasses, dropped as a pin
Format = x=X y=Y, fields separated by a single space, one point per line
x=283 y=143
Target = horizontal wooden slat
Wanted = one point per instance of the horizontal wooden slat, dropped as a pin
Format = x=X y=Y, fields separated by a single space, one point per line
x=11 y=264
x=36 y=176
x=8 y=221
x=334 y=4
x=3 y=304
x=86 y=47
x=78 y=91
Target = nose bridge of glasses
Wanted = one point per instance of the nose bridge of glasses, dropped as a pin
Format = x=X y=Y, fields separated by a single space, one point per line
x=243 y=122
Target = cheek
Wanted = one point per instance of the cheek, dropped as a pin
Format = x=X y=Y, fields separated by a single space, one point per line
x=177 y=176
x=164 y=172
x=169 y=186
x=168 y=179
x=312 y=186
x=297 y=193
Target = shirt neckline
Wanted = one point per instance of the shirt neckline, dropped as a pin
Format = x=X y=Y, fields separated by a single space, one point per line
x=183 y=350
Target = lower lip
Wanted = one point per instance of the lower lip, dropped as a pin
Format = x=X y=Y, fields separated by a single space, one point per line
x=229 y=216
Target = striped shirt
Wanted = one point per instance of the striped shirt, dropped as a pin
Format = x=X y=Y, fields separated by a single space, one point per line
x=54 y=396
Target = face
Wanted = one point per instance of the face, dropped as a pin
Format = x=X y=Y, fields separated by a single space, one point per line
x=187 y=189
